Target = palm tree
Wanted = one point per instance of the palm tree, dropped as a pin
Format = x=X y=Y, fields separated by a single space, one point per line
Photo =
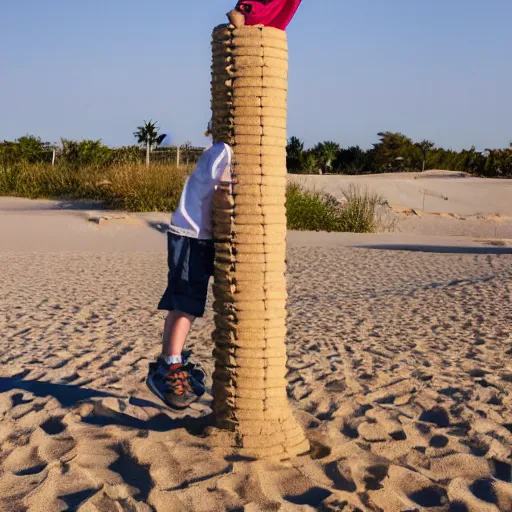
x=147 y=136
x=295 y=147
x=294 y=154
x=424 y=146
x=326 y=153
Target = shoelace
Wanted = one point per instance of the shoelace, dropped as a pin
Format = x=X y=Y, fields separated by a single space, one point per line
x=178 y=380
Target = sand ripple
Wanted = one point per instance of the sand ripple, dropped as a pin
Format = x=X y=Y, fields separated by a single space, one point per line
x=399 y=370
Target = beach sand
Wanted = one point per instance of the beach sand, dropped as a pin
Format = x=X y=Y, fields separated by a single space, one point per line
x=400 y=372
x=430 y=203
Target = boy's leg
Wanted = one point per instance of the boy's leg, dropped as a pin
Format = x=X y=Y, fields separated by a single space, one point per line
x=176 y=381
x=176 y=328
x=168 y=378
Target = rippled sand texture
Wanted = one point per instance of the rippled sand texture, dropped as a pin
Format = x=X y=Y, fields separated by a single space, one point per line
x=399 y=366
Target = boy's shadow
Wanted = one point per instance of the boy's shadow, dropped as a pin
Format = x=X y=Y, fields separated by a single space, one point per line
x=161 y=227
x=70 y=396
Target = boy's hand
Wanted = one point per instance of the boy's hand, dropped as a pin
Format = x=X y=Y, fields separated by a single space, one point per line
x=236 y=18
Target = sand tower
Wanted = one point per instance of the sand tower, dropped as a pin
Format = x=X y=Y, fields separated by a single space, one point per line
x=249 y=88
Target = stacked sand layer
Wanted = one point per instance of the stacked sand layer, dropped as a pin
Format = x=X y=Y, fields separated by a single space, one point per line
x=249 y=88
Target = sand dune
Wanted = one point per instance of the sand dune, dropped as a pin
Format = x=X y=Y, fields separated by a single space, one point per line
x=399 y=371
x=430 y=191
x=432 y=203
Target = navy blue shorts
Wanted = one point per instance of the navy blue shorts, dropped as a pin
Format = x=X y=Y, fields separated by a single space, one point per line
x=190 y=268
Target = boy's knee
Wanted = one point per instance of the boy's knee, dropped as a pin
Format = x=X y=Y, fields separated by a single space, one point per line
x=182 y=314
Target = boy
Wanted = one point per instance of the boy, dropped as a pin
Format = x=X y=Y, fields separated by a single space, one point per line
x=172 y=378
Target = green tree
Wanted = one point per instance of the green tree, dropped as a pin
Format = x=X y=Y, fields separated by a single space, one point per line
x=147 y=136
x=32 y=148
x=325 y=154
x=85 y=153
x=294 y=155
x=425 y=146
x=126 y=155
x=29 y=149
x=394 y=152
x=354 y=160
x=309 y=163
x=9 y=153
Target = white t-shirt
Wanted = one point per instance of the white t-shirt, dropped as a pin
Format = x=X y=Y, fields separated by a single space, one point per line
x=193 y=217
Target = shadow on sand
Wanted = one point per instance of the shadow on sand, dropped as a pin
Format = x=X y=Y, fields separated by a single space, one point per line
x=67 y=394
x=100 y=415
x=438 y=249
x=161 y=227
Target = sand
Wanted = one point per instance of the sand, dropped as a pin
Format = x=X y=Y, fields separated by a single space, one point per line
x=431 y=203
x=399 y=372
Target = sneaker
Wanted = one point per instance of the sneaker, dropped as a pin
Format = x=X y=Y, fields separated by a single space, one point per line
x=197 y=376
x=171 y=384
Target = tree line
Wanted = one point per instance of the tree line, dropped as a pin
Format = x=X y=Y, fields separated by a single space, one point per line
x=395 y=152
x=32 y=150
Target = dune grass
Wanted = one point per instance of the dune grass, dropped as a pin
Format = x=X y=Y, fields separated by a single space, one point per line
x=310 y=210
x=134 y=187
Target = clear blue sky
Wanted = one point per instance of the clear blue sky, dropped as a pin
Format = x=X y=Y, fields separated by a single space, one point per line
x=96 y=69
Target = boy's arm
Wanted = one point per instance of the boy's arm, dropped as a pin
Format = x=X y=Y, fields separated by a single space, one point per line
x=224 y=191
